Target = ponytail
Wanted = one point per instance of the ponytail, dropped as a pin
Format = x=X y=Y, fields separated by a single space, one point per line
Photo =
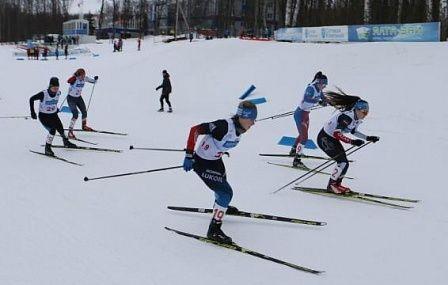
x=318 y=75
x=340 y=100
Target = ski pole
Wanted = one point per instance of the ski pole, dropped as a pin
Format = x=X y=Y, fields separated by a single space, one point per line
x=157 y=149
x=132 y=173
x=91 y=95
x=314 y=173
x=131 y=147
x=310 y=171
x=16 y=117
x=276 y=116
x=283 y=115
x=62 y=104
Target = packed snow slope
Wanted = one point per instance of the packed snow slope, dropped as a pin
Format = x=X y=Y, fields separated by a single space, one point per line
x=58 y=229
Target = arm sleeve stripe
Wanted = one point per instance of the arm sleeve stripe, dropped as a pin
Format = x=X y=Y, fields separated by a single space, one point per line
x=194 y=133
x=337 y=134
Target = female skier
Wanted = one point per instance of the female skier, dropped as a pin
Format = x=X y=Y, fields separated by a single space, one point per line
x=312 y=97
x=351 y=111
x=48 y=114
x=75 y=100
x=206 y=161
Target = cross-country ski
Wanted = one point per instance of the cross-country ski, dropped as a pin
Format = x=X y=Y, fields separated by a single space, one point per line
x=236 y=247
x=303 y=167
x=81 y=140
x=88 y=148
x=365 y=197
x=250 y=215
x=56 y=157
x=99 y=132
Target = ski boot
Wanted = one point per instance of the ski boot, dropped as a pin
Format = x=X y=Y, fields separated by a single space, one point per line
x=215 y=233
x=231 y=210
x=170 y=110
x=160 y=110
x=68 y=144
x=85 y=127
x=297 y=162
x=71 y=135
x=292 y=152
x=335 y=186
x=48 y=150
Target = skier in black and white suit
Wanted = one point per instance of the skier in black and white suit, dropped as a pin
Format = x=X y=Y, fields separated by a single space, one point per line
x=346 y=120
x=206 y=161
x=48 y=114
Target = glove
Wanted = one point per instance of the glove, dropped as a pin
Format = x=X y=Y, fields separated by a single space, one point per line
x=373 y=139
x=357 y=142
x=188 y=162
x=96 y=77
x=33 y=115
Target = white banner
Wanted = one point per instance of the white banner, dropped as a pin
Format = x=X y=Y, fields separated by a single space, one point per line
x=326 y=34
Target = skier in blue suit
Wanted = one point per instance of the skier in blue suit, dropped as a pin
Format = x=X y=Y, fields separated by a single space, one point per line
x=312 y=97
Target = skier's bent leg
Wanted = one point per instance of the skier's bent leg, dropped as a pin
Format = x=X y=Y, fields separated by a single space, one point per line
x=82 y=107
x=73 y=108
x=223 y=196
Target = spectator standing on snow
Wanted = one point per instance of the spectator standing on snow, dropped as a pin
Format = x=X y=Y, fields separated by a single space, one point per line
x=166 y=90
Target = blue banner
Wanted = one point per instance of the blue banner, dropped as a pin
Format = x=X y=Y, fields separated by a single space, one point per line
x=65 y=109
x=418 y=32
x=248 y=91
x=289 y=141
x=257 y=101
x=415 y=32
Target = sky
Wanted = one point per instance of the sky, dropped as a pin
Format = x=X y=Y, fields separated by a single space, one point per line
x=89 y=5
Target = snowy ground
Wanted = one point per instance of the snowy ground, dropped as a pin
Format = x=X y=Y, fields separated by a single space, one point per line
x=58 y=229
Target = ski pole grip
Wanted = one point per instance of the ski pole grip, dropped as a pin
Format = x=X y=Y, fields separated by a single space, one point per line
x=131 y=147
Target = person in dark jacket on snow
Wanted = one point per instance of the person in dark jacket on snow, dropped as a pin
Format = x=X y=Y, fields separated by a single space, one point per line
x=166 y=90
x=48 y=114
